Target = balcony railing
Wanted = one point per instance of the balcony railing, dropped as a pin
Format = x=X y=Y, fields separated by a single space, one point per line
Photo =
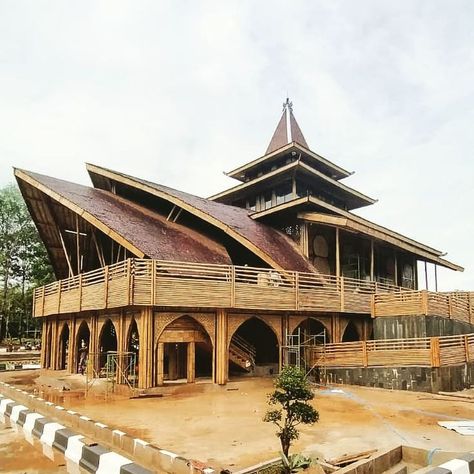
x=419 y=352
x=456 y=305
x=136 y=282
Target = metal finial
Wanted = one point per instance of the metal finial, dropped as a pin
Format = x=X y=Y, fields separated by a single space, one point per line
x=288 y=105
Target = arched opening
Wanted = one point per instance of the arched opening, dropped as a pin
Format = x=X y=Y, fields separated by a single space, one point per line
x=254 y=349
x=309 y=333
x=187 y=351
x=312 y=327
x=350 y=334
x=63 y=347
x=82 y=344
x=107 y=343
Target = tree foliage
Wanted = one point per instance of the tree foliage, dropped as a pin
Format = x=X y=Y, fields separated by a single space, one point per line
x=23 y=264
x=292 y=394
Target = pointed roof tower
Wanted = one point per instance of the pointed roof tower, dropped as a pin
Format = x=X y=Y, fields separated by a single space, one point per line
x=287 y=130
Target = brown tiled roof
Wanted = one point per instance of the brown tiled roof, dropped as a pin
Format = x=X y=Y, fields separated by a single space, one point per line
x=273 y=243
x=148 y=231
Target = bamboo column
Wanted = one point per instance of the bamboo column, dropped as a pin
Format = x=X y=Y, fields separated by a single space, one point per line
x=191 y=362
x=71 y=345
x=145 y=356
x=160 y=364
x=222 y=356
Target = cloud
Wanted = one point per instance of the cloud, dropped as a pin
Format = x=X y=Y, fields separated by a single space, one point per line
x=178 y=92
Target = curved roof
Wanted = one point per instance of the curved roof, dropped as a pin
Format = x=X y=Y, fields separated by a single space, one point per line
x=141 y=231
x=271 y=245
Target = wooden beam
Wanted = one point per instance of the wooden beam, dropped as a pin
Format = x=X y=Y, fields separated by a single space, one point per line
x=71 y=273
x=78 y=247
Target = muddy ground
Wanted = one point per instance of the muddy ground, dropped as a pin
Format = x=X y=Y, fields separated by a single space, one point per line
x=223 y=427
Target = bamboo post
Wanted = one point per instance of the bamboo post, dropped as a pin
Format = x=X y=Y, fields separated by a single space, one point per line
x=42 y=302
x=372 y=306
x=131 y=283
x=59 y=296
x=160 y=364
x=372 y=260
x=435 y=352
x=297 y=290
x=469 y=304
x=466 y=348
x=424 y=302
x=80 y=292
x=365 y=357
x=341 y=286
x=232 y=286
x=153 y=283
x=106 y=286
x=338 y=256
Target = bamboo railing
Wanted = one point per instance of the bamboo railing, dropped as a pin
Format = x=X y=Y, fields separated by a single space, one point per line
x=418 y=352
x=455 y=305
x=177 y=284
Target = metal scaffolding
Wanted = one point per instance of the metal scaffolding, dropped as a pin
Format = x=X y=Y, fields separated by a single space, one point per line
x=114 y=367
x=299 y=351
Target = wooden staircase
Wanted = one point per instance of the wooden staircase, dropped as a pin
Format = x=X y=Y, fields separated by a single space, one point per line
x=242 y=353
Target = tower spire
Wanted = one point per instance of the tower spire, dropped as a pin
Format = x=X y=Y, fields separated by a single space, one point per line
x=287 y=130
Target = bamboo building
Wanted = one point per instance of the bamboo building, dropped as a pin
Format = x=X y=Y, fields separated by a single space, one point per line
x=218 y=287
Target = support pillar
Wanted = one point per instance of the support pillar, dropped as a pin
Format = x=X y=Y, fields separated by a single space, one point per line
x=145 y=356
x=191 y=362
x=160 y=364
x=221 y=365
x=71 y=345
x=44 y=348
x=172 y=361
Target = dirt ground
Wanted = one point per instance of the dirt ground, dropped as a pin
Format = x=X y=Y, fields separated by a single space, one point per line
x=223 y=426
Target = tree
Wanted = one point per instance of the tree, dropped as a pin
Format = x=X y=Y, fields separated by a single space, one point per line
x=23 y=263
x=292 y=393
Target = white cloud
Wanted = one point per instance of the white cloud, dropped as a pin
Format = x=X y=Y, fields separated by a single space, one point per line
x=177 y=92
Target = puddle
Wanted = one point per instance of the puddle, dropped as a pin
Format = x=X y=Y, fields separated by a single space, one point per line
x=20 y=453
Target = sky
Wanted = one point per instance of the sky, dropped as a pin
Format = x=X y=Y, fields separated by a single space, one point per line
x=178 y=92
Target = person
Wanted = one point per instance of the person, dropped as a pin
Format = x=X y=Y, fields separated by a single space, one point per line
x=83 y=352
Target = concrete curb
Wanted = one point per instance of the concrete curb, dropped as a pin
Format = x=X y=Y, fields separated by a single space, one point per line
x=461 y=465
x=151 y=457
x=91 y=456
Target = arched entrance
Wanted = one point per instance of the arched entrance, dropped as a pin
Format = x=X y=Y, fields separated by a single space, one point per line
x=305 y=337
x=184 y=351
x=350 y=333
x=254 y=349
x=82 y=345
x=107 y=343
x=312 y=327
x=63 y=347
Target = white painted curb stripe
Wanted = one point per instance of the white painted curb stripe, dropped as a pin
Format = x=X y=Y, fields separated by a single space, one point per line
x=3 y=405
x=30 y=421
x=74 y=448
x=111 y=462
x=49 y=432
x=16 y=412
x=457 y=466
